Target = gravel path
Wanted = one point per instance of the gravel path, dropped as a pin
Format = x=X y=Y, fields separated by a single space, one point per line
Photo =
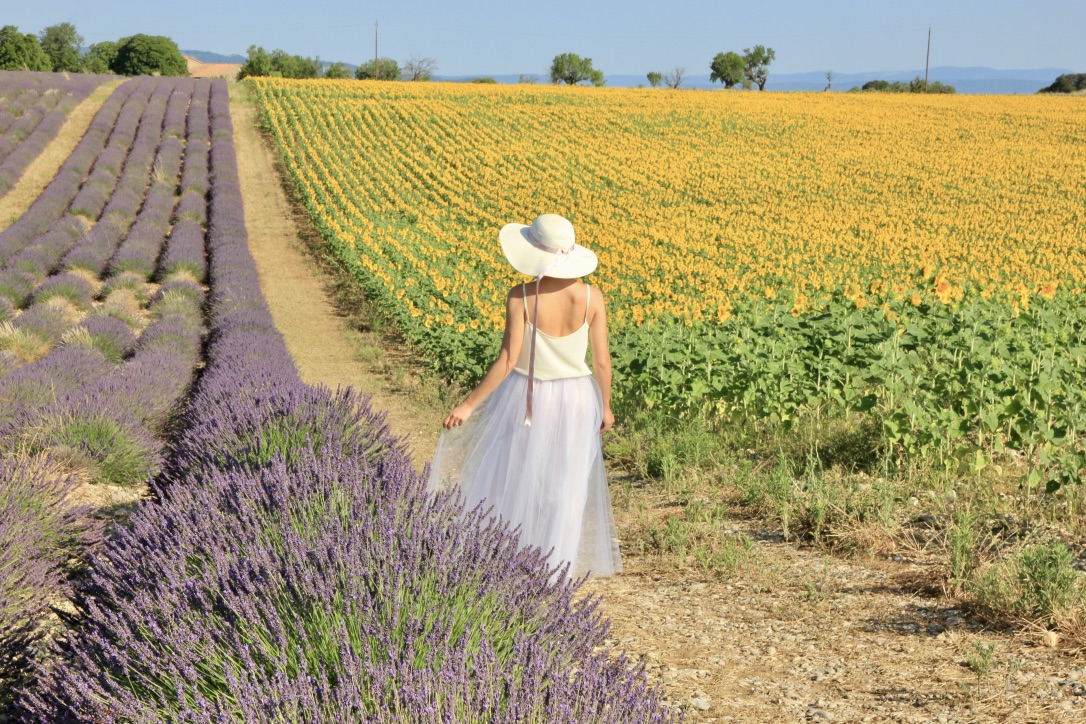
x=803 y=636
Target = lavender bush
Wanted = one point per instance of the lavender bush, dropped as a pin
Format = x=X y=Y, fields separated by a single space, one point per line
x=29 y=389
x=111 y=336
x=74 y=288
x=49 y=320
x=38 y=529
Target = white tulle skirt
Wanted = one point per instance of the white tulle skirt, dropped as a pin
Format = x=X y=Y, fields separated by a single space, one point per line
x=547 y=479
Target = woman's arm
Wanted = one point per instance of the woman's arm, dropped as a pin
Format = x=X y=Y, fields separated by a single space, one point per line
x=507 y=359
x=601 y=355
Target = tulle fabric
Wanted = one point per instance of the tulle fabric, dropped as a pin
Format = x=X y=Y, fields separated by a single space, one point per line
x=548 y=479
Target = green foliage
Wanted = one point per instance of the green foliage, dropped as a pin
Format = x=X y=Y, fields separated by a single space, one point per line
x=956 y=384
x=21 y=52
x=485 y=79
x=119 y=457
x=260 y=63
x=1037 y=584
x=571 y=69
x=382 y=69
x=1067 y=83
x=655 y=78
x=980 y=663
x=148 y=55
x=916 y=85
x=336 y=71
x=63 y=44
x=727 y=68
x=100 y=57
x=961 y=541
x=756 y=62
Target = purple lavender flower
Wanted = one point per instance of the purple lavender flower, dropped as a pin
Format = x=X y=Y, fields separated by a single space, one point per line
x=111 y=336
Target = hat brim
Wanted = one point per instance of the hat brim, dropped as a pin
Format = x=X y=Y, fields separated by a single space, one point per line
x=527 y=259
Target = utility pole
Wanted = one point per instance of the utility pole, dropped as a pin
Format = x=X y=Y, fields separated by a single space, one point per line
x=377 y=66
x=927 y=60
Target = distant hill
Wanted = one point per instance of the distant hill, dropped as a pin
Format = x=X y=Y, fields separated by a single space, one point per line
x=205 y=57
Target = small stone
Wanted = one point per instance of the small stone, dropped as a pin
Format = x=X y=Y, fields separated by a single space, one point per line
x=1050 y=639
x=699 y=703
x=913 y=501
x=819 y=715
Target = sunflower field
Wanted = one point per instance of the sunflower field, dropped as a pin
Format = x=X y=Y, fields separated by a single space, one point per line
x=914 y=260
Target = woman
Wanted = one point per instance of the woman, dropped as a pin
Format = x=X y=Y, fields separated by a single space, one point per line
x=526 y=440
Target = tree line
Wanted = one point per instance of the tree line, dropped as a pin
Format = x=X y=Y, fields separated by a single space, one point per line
x=59 y=48
x=280 y=64
x=730 y=69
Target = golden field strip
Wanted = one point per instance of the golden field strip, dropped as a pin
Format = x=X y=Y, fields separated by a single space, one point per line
x=692 y=199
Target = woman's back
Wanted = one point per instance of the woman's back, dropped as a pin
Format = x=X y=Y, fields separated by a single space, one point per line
x=563 y=306
x=562 y=332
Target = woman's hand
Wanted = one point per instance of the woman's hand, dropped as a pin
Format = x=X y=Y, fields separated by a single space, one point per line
x=456 y=418
x=608 y=420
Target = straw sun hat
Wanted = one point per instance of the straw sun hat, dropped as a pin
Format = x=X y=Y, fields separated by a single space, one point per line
x=546 y=248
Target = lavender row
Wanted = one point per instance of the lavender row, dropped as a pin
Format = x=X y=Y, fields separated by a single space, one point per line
x=143 y=245
x=138 y=144
x=38 y=125
x=185 y=249
x=293 y=567
x=48 y=208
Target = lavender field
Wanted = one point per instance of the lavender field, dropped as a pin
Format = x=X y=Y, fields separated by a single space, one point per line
x=286 y=563
x=33 y=107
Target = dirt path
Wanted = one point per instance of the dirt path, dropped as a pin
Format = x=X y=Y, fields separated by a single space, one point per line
x=325 y=347
x=794 y=635
x=43 y=168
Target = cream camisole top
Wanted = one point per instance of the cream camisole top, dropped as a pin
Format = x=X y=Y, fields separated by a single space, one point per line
x=556 y=358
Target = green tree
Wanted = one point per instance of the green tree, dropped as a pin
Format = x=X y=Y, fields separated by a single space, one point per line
x=63 y=44
x=260 y=63
x=285 y=65
x=336 y=71
x=572 y=69
x=386 y=69
x=727 y=68
x=99 y=57
x=149 y=55
x=756 y=62
x=655 y=78
x=21 y=52
x=1066 y=83
x=257 y=64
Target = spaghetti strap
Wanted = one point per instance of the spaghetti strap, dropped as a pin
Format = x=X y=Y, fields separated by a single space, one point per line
x=587 y=301
x=524 y=298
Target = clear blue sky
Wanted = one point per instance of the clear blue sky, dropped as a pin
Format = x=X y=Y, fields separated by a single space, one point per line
x=625 y=37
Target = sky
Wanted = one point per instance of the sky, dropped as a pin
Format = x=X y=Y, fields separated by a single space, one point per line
x=496 y=37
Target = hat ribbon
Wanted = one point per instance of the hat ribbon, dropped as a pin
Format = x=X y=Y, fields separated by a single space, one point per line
x=563 y=256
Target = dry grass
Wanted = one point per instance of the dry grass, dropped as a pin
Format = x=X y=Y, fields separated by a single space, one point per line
x=24 y=346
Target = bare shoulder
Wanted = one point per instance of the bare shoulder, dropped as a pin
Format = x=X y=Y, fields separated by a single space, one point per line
x=515 y=292
x=597 y=304
x=597 y=300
